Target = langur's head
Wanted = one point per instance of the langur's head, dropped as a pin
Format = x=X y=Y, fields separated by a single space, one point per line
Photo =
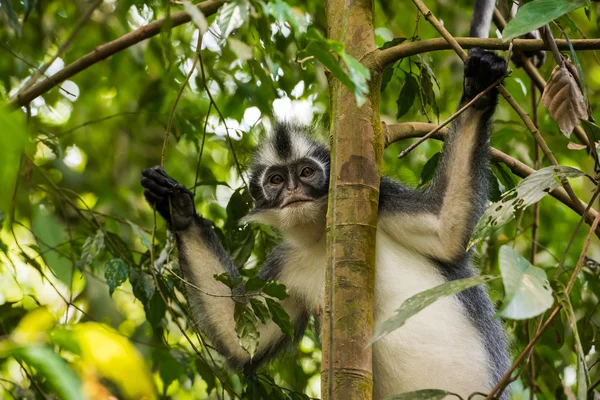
x=289 y=178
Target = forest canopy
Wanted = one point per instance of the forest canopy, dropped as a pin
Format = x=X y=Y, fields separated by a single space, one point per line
x=92 y=300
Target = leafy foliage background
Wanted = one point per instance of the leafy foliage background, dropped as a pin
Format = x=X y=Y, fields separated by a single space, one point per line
x=79 y=308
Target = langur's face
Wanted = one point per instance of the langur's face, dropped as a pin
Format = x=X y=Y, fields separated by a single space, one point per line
x=290 y=179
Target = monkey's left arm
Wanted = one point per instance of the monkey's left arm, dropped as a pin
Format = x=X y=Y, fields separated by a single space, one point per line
x=438 y=220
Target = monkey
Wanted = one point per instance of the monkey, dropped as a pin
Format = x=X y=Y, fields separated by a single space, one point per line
x=456 y=344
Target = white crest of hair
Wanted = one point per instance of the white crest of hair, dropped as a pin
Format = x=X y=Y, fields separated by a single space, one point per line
x=301 y=145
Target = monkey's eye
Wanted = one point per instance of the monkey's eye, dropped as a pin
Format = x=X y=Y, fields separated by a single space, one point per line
x=307 y=172
x=276 y=179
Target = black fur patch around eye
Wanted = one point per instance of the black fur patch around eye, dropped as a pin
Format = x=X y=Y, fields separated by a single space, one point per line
x=283 y=141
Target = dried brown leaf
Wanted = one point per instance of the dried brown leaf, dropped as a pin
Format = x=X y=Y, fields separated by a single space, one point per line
x=564 y=100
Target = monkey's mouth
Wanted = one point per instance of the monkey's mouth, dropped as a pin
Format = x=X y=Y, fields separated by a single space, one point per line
x=295 y=201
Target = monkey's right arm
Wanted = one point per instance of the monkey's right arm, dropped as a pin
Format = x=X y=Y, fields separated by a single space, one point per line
x=201 y=257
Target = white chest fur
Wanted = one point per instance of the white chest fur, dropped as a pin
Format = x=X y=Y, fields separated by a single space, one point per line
x=438 y=348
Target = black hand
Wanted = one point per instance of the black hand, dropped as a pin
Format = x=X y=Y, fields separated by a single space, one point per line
x=482 y=68
x=174 y=202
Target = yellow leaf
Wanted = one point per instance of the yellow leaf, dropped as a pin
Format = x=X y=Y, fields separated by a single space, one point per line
x=34 y=327
x=116 y=359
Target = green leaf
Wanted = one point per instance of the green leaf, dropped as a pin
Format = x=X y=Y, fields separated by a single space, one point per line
x=537 y=13
x=231 y=16
x=12 y=17
x=246 y=328
x=425 y=394
x=421 y=300
x=260 y=310
x=325 y=50
x=12 y=146
x=504 y=175
x=527 y=292
x=393 y=42
x=529 y=191
x=53 y=368
x=280 y=317
x=115 y=273
x=494 y=190
x=142 y=285
x=582 y=371
x=226 y=279
x=275 y=289
x=282 y=12
x=386 y=77
x=255 y=283
x=170 y=367
x=429 y=168
x=426 y=83
x=91 y=248
x=139 y=232
x=206 y=373
x=48 y=229
x=155 y=309
x=407 y=95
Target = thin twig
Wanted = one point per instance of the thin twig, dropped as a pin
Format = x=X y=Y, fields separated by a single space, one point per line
x=551 y=42
x=78 y=25
x=212 y=100
x=208 y=7
x=201 y=147
x=177 y=98
x=49 y=78
x=450 y=119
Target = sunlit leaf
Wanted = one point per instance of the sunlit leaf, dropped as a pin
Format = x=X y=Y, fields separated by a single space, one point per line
x=246 y=328
x=115 y=273
x=527 y=292
x=529 y=191
x=114 y=358
x=34 y=326
x=421 y=300
x=12 y=146
x=231 y=16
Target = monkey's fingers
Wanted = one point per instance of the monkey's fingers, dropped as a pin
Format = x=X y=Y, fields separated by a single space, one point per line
x=158 y=175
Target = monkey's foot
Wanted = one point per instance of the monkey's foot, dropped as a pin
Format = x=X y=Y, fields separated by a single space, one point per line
x=482 y=69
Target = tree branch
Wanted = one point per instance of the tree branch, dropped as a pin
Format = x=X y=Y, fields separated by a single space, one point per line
x=106 y=50
x=383 y=58
x=411 y=130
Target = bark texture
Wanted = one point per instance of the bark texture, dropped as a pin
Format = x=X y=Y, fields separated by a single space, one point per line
x=356 y=157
